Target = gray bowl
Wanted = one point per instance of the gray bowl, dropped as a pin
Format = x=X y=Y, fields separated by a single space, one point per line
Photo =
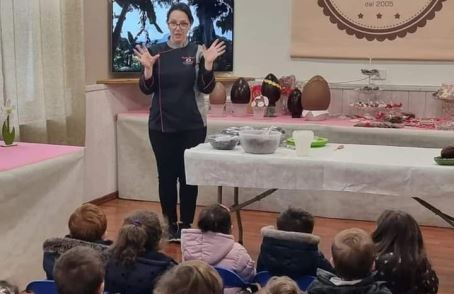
x=260 y=141
x=223 y=141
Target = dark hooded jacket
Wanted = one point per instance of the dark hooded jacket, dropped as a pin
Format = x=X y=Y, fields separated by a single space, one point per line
x=54 y=247
x=139 y=277
x=328 y=283
x=290 y=254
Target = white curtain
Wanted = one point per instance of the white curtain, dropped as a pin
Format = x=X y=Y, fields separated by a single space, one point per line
x=42 y=69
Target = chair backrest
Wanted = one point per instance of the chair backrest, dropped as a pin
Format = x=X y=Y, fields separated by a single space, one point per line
x=262 y=278
x=304 y=282
x=42 y=287
x=232 y=279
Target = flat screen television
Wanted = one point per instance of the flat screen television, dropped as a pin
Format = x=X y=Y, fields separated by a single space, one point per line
x=145 y=22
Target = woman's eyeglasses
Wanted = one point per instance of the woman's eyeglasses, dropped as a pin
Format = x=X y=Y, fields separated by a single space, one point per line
x=182 y=25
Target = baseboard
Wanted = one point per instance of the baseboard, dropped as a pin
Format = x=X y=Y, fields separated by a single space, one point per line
x=106 y=198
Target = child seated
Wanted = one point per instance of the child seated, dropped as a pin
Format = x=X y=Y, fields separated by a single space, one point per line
x=281 y=285
x=79 y=270
x=190 y=277
x=7 y=288
x=353 y=257
x=291 y=249
x=136 y=263
x=401 y=258
x=87 y=226
x=213 y=243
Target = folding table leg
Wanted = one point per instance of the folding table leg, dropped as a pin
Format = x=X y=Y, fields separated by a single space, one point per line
x=446 y=217
x=220 y=194
x=238 y=215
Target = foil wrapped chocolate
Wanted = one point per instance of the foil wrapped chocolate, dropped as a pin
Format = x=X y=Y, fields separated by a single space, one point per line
x=271 y=89
x=240 y=93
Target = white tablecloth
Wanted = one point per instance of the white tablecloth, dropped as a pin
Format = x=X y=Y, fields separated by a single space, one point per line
x=137 y=177
x=372 y=169
x=35 y=203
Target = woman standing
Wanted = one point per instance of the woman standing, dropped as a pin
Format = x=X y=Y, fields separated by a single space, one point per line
x=177 y=72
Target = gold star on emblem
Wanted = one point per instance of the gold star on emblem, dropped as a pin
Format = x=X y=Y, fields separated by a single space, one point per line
x=360 y=16
x=379 y=15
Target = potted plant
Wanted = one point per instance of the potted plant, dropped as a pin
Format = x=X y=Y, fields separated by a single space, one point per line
x=8 y=132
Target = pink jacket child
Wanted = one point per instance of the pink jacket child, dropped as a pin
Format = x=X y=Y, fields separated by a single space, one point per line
x=214 y=244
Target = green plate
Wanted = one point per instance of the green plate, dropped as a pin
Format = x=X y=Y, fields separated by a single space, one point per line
x=444 y=161
x=317 y=142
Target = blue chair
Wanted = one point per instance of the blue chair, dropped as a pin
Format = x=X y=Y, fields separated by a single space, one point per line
x=233 y=280
x=305 y=281
x=42 y=287
x=262 y=277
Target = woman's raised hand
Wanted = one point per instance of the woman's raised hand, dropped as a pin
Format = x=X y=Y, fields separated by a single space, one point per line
x=144 y=57
x=216 y=49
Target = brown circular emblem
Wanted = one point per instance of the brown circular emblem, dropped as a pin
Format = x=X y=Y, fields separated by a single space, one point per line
x=380 y=19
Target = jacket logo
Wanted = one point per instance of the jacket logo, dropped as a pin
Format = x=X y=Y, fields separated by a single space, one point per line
x=188 y=60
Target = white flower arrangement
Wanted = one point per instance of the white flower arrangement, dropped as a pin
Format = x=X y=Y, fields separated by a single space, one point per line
x=446 y=92
x=7 y=109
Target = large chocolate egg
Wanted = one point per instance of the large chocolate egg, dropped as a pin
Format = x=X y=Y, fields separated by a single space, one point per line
x=316 y=94
x=240 y=93
x=294 y=103
x=218 y=95
x=271 y=88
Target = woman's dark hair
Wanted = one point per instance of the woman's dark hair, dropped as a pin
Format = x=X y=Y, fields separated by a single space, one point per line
x=183 y=8
x=215 y=218
x=141 y=231
x=398 y=232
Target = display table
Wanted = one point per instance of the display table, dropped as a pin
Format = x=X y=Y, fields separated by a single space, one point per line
x=385 y=170
x=137 y=176
x=343 y=131
x=368 y=169
x=40 y=185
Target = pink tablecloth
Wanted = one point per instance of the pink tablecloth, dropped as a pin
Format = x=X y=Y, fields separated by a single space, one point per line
x=28 y=153
x=281 y=120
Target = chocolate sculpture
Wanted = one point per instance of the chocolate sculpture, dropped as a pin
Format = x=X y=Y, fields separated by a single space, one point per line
x=240 y=93
x=316 y=94
x=218 y=95
x=294 y=103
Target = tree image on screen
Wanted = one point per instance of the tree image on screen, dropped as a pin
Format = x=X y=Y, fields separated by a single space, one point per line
x=144 y=22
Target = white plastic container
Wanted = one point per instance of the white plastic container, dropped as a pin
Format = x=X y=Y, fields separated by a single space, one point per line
x=303 y=141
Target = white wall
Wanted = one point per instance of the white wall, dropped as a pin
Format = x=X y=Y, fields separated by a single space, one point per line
x=262 y=41
x=262 y=45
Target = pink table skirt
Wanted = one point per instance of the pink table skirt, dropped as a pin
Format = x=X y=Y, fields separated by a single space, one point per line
x=27 y=153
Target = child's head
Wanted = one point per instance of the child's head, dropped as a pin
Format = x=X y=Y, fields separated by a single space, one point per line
x=398 y=232
x=190 y=277
x=87 y=223
x=7 y=288
x=141 y=232
x=295 y=220
x=281 y=285
x=353 y=254
x=79 y=270
x=215 y=218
